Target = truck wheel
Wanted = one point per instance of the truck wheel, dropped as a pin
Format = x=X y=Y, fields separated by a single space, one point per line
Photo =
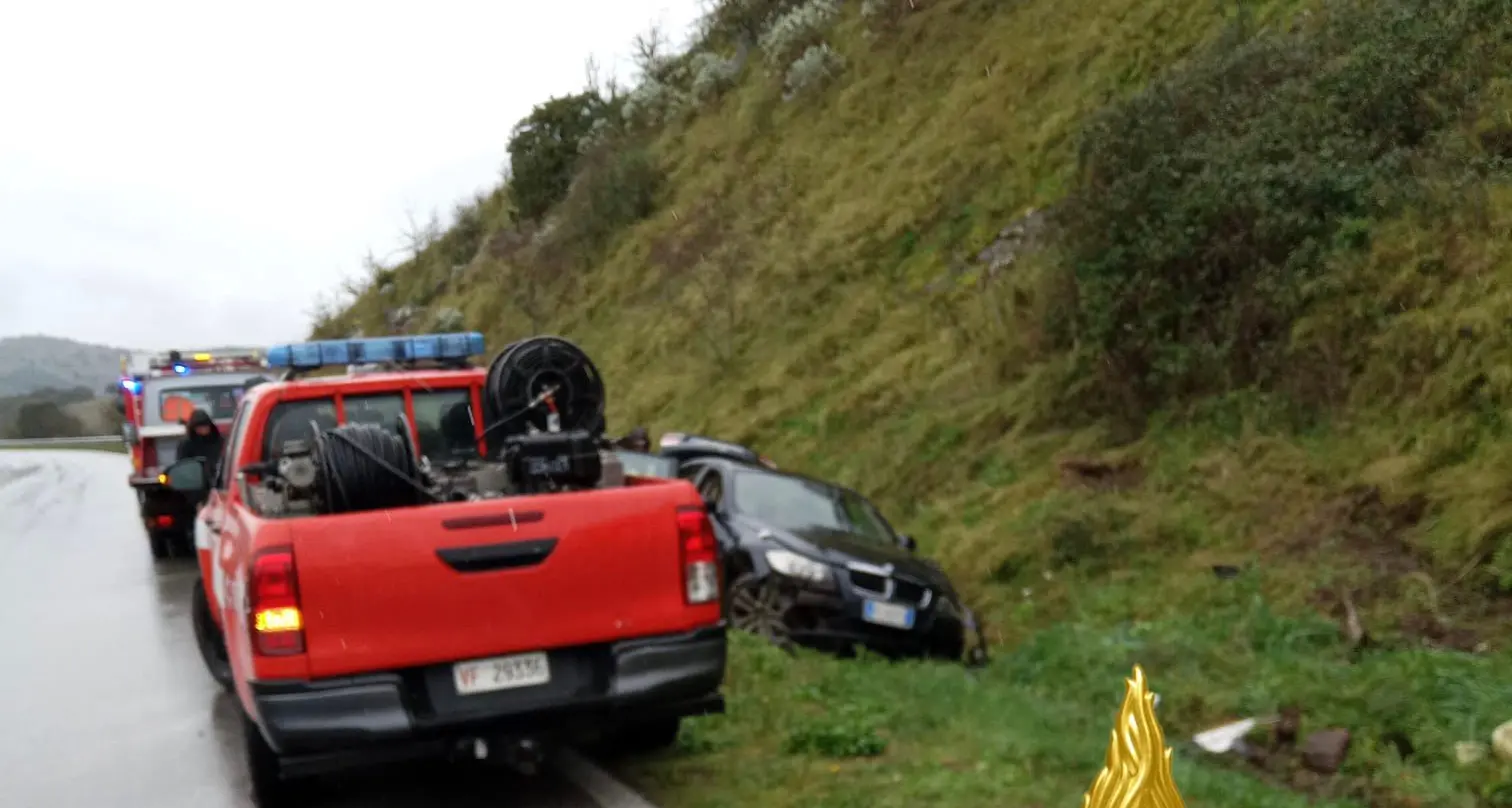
x=207 y=635
x=269 y=789
x=161 y=546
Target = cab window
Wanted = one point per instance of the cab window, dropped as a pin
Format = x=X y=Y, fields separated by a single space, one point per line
x=444 y=424
x=296 y=420
x=382 y=410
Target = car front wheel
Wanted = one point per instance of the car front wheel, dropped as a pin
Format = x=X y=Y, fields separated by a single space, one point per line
x=758 y=605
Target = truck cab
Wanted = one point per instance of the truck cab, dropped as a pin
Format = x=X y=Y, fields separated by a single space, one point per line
x=159 y=391
x=489 y=616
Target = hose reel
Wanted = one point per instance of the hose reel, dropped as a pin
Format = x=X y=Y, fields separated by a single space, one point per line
x=545 y=400
x=352 y=468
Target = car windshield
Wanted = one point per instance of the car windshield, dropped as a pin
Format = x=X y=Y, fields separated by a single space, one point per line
x=797 y=504
x=219 y=400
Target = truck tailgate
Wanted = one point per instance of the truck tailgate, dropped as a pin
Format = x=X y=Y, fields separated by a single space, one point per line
x=440 y=583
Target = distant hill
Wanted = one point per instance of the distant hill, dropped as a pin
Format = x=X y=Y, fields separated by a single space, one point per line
x=32 y=363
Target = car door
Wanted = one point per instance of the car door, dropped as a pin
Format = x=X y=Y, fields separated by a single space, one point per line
x=210 y=524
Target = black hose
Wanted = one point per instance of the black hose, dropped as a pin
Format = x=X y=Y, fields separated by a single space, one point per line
x=365 y=467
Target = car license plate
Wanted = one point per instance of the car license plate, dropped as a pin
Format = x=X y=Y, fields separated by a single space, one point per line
x=888 y=614
x=501 y=673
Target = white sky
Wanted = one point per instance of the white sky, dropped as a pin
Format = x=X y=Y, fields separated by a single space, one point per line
x=193 y=173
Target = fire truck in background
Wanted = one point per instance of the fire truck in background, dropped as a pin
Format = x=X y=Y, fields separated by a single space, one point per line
x=159 y=391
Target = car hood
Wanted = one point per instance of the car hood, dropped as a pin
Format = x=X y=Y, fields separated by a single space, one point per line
x=839 y=547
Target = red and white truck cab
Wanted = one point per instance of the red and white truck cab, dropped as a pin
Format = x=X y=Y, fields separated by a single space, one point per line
x=159 y=391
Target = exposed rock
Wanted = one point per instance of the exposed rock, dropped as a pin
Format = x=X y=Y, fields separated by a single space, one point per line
x=1325 y=750
x=1469 y=753
x=1501 y=741
x=1019 y=237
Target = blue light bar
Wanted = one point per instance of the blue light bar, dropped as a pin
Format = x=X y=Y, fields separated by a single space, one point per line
x=327 y=353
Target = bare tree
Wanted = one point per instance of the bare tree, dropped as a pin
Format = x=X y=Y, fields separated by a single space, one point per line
x=418 y=236
x=650 y=52
x=592 y=75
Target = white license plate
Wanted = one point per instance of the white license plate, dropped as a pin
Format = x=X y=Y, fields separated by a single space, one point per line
x=888 y=614
x=501 y=673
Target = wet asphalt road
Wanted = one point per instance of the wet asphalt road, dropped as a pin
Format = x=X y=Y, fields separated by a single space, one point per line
x=104 y=702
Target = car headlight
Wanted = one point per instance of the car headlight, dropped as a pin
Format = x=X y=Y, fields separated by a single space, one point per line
x=797 y=567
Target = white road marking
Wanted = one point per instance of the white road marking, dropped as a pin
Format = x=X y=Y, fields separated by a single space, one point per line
x=595 y=782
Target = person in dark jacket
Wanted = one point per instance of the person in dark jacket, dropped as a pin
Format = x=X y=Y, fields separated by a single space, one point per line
x=636 y=441
x=204 y=440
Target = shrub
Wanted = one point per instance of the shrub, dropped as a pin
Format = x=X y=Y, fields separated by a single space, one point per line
x=652 y=103
x=544 y=148
x=615 y=188
x=732 y=21
x=1204 y=204
x=712 y=75
x=816 y=66
x=795 y=33
x=448 y=319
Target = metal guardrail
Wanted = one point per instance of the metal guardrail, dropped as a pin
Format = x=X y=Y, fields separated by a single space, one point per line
x=61 y=441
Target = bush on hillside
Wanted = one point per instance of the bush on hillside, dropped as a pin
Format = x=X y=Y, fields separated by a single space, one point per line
x=734 y=21
x=1206 y=203
x=544 y=150
x=615 y=187
x=814 y=68
x=802 y=27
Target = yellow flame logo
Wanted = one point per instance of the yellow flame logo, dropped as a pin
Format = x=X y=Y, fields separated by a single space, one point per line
x=1137 y=773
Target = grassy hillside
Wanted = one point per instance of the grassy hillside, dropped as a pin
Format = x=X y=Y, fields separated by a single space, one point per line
x=1092 y=297
x=32 y=363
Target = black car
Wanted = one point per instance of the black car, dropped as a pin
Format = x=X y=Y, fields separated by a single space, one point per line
x=814 y=563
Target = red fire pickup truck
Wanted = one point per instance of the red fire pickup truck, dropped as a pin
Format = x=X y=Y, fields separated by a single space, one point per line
x=392 y=564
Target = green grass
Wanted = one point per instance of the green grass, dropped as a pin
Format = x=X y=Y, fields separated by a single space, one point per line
x=805 y=284
x=1032 y=729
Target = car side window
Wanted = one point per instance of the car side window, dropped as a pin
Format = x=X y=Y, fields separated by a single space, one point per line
x=296 y=420
x=232 y=448
x=690 y=471
x=710 y=485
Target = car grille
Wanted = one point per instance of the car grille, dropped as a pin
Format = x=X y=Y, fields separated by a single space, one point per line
x=903 y=590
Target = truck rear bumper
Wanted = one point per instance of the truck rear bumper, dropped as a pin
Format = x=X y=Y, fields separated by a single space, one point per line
x=331 y=724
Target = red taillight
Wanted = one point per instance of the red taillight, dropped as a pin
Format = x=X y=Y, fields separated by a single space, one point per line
x=164 y=520
x=700 y=555
x=277 y=624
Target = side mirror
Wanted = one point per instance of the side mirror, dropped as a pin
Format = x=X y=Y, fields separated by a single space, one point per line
x=118 y=404
x=186 y=476
x=907 y=542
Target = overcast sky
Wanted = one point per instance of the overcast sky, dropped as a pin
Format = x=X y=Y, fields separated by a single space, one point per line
x=188 y=173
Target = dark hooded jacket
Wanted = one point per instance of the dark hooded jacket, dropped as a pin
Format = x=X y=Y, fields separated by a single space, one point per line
x=208 y=446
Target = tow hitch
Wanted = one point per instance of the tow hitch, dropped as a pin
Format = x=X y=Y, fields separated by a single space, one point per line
x=523 y=755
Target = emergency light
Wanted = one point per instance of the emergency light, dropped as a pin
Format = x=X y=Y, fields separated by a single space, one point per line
x=375 y=350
